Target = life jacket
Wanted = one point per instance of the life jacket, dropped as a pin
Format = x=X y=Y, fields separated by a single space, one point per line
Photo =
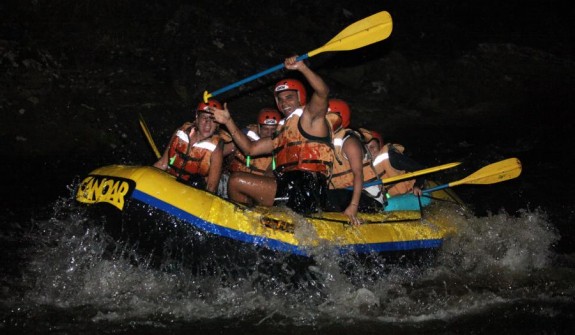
x=295 y=150
x=185 y=158
x=256 y=165
x=342 y=176
x=384 y=170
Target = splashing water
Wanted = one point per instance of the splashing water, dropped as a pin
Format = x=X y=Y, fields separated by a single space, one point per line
x=74 y=267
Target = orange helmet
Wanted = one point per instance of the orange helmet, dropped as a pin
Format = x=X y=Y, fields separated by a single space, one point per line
x=342 y=108
x=269 y=116
x=203 y=107
x=291 y=85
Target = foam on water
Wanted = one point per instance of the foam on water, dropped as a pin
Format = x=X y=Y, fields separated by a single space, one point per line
x=495 y=260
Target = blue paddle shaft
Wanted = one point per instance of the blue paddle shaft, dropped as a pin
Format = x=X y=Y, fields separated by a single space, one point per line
x=436 y=188
x=429 y=190
x=255 y=76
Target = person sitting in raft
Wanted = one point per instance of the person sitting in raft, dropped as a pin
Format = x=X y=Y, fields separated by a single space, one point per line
x=195 y=153
x=267 y=123
x=302 y=148
x=388 y=161
x=345 y=192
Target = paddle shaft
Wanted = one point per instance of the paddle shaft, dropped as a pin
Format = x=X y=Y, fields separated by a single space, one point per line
x=250 y=78
x=410 y=175
x=364 y=32
x=146 y=131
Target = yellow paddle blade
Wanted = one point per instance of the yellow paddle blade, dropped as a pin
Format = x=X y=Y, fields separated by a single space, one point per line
x=149 y=136
x=493 y=173
x=363 y=24
x=370 y=30
x=410 y=175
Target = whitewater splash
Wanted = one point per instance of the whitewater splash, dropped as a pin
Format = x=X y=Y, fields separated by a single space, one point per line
x=73 y=265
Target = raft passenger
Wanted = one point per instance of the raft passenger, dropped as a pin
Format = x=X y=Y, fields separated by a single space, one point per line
x=195 y=152
x=351 y=166
x=302 y=148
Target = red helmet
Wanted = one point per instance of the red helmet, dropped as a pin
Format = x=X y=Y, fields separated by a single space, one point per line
x=202 y=106
x=291 y=85
x=342 y=108
x=369 y=135
x=269 y=116
x=377 y=136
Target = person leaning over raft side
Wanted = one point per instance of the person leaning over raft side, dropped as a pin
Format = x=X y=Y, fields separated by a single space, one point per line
x=301 y=146
x=268 y=121
x=389 y=161
x=351 y=161
x=195 y=152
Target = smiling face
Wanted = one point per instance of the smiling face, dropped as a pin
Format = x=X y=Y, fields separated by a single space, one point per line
x=206 y=124
x=288 y=101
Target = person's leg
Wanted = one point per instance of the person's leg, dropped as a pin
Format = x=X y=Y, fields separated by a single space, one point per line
x=249 y=188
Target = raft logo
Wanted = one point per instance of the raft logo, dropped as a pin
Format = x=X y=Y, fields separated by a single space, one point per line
x=112 y=190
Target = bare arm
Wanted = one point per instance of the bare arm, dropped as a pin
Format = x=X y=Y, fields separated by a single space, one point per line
x=248 y=147
x=216 y=162
x=312 y=119
x=353 y=152
x=162 y=163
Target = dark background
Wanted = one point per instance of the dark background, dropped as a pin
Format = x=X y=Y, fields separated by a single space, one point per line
x=472 y=81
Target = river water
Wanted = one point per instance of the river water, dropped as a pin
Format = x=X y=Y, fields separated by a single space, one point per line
x=510 y=269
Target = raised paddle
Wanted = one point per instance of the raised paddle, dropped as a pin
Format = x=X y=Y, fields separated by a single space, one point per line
x=149 y=136
x=364 y=32
x=493 y=173
x=409 y=175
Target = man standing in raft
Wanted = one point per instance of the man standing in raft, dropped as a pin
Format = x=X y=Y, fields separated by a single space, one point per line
x=302 y=148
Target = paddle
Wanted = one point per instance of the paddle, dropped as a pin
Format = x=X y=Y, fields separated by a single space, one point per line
x=364 y=32
x=149 y=136
x=409 y=175
x=493 y=173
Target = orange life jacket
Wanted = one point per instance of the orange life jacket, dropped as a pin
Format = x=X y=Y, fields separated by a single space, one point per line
x=295 y=150
x=342 y=176
x=186 y=158
x=256 y=165
x=384 y=170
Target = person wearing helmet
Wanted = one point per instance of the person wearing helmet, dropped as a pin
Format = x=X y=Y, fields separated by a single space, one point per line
x=350 y=168
x=388 y=160
x=268 y=120
x=195 y=153
x=373 y=141
x=302 y=148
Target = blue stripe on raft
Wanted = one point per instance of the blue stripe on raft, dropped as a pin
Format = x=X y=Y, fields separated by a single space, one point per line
x=275 y=244
x=215 y=229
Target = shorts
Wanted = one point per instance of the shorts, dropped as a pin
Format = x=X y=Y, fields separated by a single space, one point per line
x=302 y=191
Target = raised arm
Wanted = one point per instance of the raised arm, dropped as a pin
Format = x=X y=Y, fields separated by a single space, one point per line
x=316 y=109
x=248 y=147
